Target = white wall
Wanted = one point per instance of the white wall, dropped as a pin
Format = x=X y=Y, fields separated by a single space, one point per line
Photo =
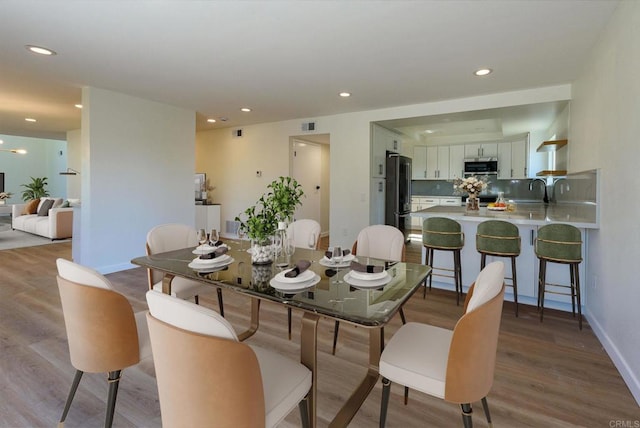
x=74 y=161
x=137 y=172
x=604 y=132
x=265 y=147
x=43 y=159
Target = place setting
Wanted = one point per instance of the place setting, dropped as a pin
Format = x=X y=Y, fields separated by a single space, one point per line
x=211 y=257
x=296 y=279
x=337 y=258
x=366 y=276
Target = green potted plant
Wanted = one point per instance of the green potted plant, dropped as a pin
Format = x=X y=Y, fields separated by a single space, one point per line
x=36 y=189
x=260 y=221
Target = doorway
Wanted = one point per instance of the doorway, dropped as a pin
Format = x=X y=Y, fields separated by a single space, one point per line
x=309 y=166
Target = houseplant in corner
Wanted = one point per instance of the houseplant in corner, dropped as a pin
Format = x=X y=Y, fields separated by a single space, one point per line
x=36 y=189
x=261 y=220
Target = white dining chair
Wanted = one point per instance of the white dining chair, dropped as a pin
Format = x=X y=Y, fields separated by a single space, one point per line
x=169 y=237
x=206 y=377
x=454 y=365
x=381 y=242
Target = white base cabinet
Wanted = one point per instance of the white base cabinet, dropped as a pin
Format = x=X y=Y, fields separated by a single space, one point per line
x=208 y=217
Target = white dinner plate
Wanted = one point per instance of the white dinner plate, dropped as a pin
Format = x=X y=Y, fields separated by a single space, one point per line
x=206 y=249
x=211 y=267
x=198 y=262
x=345 y=262
x=363 y=283
x=368 y=276
x=295 y=287
x=304 y=276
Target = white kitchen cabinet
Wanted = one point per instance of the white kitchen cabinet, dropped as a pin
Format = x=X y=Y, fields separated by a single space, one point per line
x=456 y=161
x=394 y=142
x=437 y=162
x=377 y=203
x=512 y=160
x=419 y=163
x=484 y=150
x=378 y=152
x=208 y=217
x=423 y=202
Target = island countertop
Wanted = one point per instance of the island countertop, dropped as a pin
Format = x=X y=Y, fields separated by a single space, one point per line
x=580 y=215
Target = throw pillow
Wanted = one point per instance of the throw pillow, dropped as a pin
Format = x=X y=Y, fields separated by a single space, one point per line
x=42 y=200
x=44 y=209
x=65 y=204
x=57 y=203
x=31 y=207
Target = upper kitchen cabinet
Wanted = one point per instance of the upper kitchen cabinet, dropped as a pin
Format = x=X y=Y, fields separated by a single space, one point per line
x=383 y=140
x=485 y=150
x=456 y=161
x=419 y=163
x=513 y=159
x=437 y=162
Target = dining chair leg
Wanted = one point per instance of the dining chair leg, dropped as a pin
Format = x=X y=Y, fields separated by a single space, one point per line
x=335 y=337
x=289 y=321
x=485 y=407
x=466 y=415
x=72 y=393
x=303 y=405
x=220 y=303
x=406 y=395
x=404 y=320
x=196 y=299
x=384 y=404
x=114 y=381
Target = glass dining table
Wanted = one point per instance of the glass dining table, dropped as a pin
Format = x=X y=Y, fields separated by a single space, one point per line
x=333 y=293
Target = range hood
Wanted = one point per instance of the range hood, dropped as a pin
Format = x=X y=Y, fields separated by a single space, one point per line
x=552 y=146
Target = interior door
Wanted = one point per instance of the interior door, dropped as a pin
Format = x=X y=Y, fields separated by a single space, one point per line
x=306 y=169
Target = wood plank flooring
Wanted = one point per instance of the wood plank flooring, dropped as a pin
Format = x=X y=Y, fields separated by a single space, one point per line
x=548 y=374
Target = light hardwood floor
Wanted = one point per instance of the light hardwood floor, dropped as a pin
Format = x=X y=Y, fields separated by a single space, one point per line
x=547 y=375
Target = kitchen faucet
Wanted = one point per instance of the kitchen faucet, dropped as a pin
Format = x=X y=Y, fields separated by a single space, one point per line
x=545 y=199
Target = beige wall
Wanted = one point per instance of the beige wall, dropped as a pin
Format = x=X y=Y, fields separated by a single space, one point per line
x=604 y=132
x=74 y=160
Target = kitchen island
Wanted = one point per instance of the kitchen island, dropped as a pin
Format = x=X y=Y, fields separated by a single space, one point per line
x=528 y=217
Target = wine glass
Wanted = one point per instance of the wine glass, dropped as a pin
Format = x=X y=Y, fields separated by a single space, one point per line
x=241 y=235
x=202 y=237
x=213 y=237
x=336 y=257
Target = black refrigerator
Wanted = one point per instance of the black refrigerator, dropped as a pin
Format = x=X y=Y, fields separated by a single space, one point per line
x=397 y=210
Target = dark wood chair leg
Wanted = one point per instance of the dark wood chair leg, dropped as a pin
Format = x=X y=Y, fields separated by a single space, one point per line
x=466 y=415
x=485 y=407
x=196 y=299
x=335 y=337
x=404 y=320
x=406 y=395
x=114 y=381
x=72 y=393
x=384 y=404
x=220 y=302
x=304 y=412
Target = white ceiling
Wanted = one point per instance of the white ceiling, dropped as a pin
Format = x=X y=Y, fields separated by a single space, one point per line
x=284 y=59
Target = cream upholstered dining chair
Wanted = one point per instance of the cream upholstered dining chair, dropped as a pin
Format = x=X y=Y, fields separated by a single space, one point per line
x=104 y=334
x=456 y=366
x=169 y=237
x=226 y=383
x=306 y=234
x=381 y=242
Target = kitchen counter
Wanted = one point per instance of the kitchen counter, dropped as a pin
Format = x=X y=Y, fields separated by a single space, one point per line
x=580 y=215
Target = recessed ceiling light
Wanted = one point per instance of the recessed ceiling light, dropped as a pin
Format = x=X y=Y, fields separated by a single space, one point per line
x=245 y=109
x=1 y=142
x=211 y=120
x=78 y=105
x=40 y=50
x=429 y=131
x=482 y=72
x=30 y=119
x=345 y=94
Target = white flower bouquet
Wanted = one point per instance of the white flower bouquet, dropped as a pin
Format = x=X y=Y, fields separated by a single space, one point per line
x=470 y=185
x=5 y=195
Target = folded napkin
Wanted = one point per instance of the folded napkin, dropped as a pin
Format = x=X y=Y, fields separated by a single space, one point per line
x=217 y=253
x=215 y=244
x=359 y=267
x=301 y=266
x=329 y=254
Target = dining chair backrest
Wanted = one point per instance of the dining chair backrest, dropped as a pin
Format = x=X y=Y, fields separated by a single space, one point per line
x=168 y=237
x=472 y=353
x=381 y=242
x=203 y=378
x=100 y=323
x=306 y=233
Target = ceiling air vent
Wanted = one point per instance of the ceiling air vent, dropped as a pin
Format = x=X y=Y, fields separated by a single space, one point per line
x=309 y=126
x=237 y=133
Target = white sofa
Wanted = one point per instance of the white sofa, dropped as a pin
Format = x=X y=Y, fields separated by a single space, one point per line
x=58 y=224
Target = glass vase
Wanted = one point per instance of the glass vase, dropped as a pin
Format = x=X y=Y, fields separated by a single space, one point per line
x=473 y=203
x=261 y=252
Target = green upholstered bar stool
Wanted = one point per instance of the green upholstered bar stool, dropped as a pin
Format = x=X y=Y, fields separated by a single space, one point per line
x=559 y=243
x=443 y=234
x=500 y=239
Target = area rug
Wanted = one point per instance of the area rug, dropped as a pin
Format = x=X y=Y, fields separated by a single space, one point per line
x=16 y=239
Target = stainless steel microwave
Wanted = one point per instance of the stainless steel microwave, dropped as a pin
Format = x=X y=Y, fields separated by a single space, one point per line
x=480 y=166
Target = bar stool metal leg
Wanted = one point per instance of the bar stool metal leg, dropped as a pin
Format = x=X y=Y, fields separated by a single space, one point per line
x=514 y=281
